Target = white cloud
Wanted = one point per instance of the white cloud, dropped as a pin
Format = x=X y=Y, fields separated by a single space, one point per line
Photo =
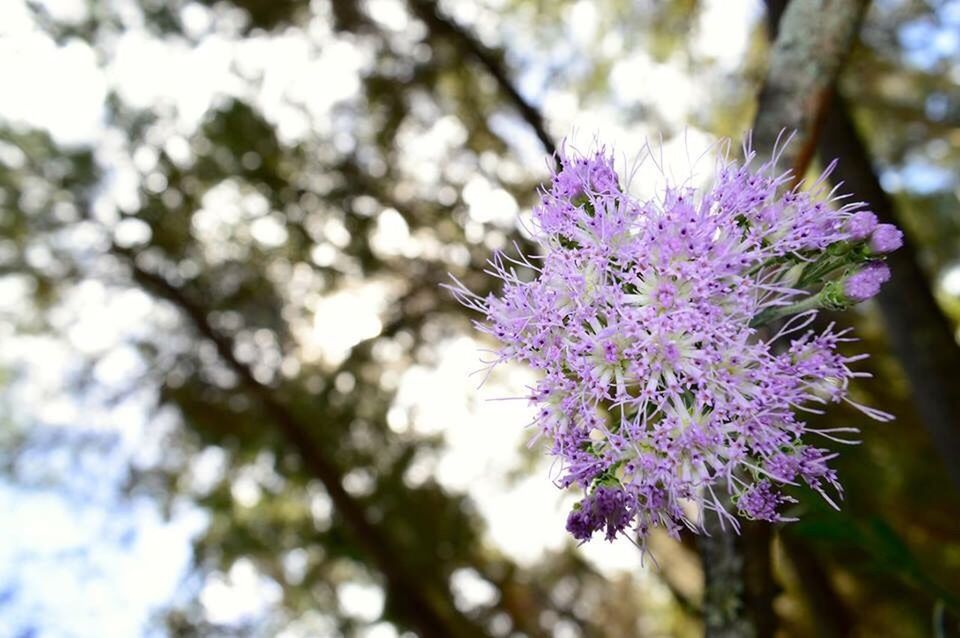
x=76 y=566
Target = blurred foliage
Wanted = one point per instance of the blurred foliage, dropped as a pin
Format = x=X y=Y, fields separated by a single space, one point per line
x=242 y=230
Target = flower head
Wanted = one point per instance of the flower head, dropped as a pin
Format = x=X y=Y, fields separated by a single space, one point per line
x=664 y=383
x=606 y=508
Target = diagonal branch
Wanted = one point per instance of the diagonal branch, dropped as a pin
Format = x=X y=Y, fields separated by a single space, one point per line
x=919 y=333
x=430 y=612
x=812 y=43
x=442 y=25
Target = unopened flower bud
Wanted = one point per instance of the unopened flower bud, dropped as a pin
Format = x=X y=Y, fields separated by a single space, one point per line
x=860 y=225
x=885 y=238
x=866 y=283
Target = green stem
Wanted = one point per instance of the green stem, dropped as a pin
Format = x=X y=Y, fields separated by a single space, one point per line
x=778 y=312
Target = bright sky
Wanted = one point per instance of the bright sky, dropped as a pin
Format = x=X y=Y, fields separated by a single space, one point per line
x=136 y=558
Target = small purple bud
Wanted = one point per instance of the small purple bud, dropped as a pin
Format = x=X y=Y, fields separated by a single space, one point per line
x=886 y=238
x=603 y=178
x=666 y=294
x=860 y=225
x=760 y=501
x=581 y=524
x=866 y=283
x=610 y=353
x=605 y=508
x=567 y=184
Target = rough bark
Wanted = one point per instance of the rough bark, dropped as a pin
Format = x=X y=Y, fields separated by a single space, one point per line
x=725 y=613
x=738 y=590
x=811 y=46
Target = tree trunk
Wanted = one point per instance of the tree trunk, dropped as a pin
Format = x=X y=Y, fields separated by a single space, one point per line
x=920 y=335
x=738 y=589
x=814 y=39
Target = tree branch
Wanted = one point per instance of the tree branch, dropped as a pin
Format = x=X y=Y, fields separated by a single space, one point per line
x=810 y=48
x=442 y=25
x=432 y=613
x=920 y=335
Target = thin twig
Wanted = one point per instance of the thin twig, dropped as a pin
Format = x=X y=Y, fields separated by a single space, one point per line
x=442 y=25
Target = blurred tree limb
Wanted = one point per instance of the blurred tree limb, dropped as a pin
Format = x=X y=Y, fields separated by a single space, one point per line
x=810 y=48
x=427 y=609
x=444 y=26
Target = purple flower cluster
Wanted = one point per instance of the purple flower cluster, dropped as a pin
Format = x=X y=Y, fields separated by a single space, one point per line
x=606 y=507
x=673 y=340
